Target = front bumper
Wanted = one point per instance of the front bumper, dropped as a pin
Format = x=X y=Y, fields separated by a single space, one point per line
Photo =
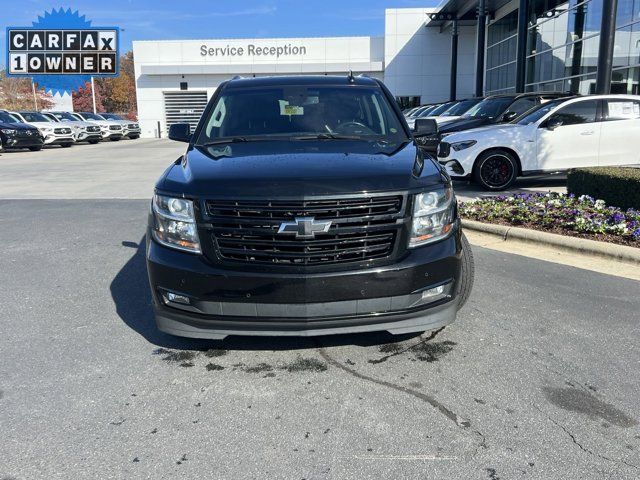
x=58 y=139
x=87 y=136
x=227 y=301
x=24 y=142
x=109 y=134
x=133 y=132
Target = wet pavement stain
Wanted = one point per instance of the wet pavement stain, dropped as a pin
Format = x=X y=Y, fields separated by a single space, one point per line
x=215 y=352
x=492 y=473
x=579 y=401
x=182 y=459
x=390 y=348
x=214 y=367
x=183 y=357
x=305 y=365
x=259 y=368
x=432 y=352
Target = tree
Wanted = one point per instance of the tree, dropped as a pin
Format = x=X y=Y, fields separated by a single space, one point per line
x=119 y=93
x=16 y=93
x=83 y=100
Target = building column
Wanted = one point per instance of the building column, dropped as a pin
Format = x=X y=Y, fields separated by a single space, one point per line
x=607 y=41
x=480 y=44
x=521 y=49
x=454 y=60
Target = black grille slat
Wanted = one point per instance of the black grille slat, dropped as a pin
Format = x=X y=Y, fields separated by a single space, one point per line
x=362 y=229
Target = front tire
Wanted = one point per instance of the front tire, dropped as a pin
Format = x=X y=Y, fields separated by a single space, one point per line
x=35 y=149
x=66 y=145
x=117 y=139
x=495 y=170
x=93 y=142
x=467 y=273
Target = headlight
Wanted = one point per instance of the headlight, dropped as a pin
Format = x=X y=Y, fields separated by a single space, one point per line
x=9 y=131
x=432 y=216
x=462 y=145
x=175 y=223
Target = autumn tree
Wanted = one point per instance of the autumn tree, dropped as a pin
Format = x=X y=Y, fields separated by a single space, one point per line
x=119 y=93
x=16 y=93
x=83 y=99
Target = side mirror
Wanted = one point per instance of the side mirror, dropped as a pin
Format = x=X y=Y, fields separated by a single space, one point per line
x=424 y=127
x=553 y=123
x=180 y=132
x=508 y=116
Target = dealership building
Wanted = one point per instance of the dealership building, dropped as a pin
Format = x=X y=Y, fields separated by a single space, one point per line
x=462 y=48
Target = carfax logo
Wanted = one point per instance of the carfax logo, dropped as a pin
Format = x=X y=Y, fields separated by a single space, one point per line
x=62 y=51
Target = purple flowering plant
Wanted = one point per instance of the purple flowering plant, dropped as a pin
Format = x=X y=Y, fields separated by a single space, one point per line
x=556 y=212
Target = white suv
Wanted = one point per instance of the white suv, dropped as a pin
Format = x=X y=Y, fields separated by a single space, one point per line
x=556 y=136
x=54 y=134
x=110 y=129
x=130 y=129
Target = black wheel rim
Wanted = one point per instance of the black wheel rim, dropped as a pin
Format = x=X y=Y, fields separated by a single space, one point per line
x=496 y=171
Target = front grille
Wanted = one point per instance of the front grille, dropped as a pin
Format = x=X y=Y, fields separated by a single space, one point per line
x=361 y=229
x=93 y=129
x=444 y=149
x=132 y=126
x=28 y=133
x=115 y=127
x=62 y=131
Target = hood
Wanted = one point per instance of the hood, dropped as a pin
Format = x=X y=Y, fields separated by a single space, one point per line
x=489 y=131
x=299 y=168
x=464 y=123
x=17 y=126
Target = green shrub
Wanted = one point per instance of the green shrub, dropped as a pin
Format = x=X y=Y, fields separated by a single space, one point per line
x=617 y=186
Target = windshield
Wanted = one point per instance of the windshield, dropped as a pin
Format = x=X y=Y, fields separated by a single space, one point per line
x=461 y=107
x=111 y=116
x=5 y=117
x=92 y=116
x=359 y=113
x=438 y=110
x=537 y=112
x=65 y=116
x=425 y=111
x=34 y=117
x=490 y=107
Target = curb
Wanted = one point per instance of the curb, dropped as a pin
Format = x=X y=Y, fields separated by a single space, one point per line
x=580 y=245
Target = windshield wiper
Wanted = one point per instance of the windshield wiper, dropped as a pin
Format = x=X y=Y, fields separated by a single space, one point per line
x=226 y=140
x=327 y=136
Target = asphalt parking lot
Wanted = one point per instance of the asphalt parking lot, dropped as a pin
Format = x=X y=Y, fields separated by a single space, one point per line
x=538 y=378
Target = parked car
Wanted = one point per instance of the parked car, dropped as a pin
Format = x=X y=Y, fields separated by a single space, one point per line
x=130 y=129
x=16 y=134
x=431 y=112
x=561 y=134
x=422 y=109
x=82 y=131
x=303 y=206
x=110 y=129
x=492 y=110
x=52 y=133
x=456 y=111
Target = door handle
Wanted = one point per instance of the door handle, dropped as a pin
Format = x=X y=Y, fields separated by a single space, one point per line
x=589 y=132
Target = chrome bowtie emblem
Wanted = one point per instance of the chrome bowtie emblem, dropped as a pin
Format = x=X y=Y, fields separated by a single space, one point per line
x=304 y=227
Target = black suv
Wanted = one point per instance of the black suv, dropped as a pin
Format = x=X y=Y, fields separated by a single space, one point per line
x=303 y=206
x=491 y=110
x=15 y=134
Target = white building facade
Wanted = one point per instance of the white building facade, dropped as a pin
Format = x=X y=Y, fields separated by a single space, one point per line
x=175 y=79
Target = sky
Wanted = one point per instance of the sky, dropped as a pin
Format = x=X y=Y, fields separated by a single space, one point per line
x=200 y=19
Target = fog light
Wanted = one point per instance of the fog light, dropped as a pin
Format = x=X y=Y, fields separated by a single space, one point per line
x=433 y=292
x=170 y=297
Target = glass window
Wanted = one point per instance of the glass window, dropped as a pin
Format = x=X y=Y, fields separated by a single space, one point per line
x=628 y=12
x=626 y=81
x=540 y=111
x=34 y=117
x=294 y=110
x=491 y=107
x=461 y=107
x=622 y=109
x=7 y=118
x=523 y=104
x=578 y=112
